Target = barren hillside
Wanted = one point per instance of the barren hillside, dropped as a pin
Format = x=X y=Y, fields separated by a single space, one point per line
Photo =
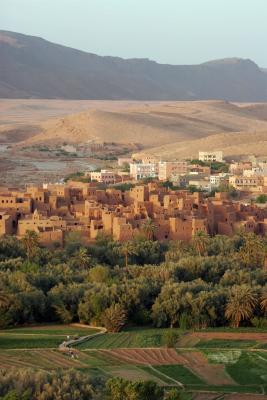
x=205 y=123
x=32 y=67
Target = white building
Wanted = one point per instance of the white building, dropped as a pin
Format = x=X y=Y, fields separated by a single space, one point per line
x=141 y=171
x=217 y=180
x=210 y=156
x=259 y=171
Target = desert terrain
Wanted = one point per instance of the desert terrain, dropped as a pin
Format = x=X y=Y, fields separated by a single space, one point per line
x=33 y=131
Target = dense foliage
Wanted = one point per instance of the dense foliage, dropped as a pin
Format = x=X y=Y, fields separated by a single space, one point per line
x=210 y=282
x=29 y=385
x=18 y=384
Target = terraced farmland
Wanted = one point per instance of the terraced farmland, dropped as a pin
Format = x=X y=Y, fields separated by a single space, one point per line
x=140 y=338
x=44 y=359
x=49 y=336
x=202 y=362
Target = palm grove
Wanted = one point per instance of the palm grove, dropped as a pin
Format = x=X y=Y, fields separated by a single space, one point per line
x=210 y=282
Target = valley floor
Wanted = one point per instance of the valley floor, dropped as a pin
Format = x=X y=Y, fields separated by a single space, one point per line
x=212 y=364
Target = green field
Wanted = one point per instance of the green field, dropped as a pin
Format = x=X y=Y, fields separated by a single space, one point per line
x=244 y=361
x=225 y=344
x=51 y=330
x=251 y=368
x=139 y=338
x=179 y=373
x=48 y=336
x=29 y=342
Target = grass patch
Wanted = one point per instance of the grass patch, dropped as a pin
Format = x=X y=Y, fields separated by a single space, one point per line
x=235 y=330
x=135 y=338
x=47 y=336
x=95 y=372
x=226 y=388
x=180 y=373
x=134 y=373
x=225 y=344
x=262 y=346
x=51 y=330
x=96 y=358
x=251 y=368
x=29 y=342
x=222 y=356
x=157 y=374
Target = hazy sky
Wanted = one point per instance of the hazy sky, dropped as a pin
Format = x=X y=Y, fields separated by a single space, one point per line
x=168 y=31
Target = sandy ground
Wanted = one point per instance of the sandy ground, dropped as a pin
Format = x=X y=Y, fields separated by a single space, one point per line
x=171 y=130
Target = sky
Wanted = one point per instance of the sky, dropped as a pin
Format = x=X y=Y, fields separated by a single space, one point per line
x=167 y=31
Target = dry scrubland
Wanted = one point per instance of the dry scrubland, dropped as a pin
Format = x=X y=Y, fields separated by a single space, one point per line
x=176 y=129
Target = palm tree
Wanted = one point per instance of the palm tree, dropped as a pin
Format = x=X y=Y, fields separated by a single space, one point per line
x=200 y=242
x=30 y=242
x=127 y=249
x=252 y=253
x=4 y=299
x=82 y=258
x=240 y=305
x=149 y=228
x=263 y=301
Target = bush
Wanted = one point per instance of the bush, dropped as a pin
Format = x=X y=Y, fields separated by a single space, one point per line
x=120 y=389
x=114 y=318
x=262 y=199
x=259 y=322
x=170 y=338
x=28 y=384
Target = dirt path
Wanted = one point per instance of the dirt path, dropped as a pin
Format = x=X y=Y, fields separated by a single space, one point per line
x=167 y=377
x=72 y=342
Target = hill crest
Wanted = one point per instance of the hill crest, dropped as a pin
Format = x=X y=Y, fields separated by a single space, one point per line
x=32 y=67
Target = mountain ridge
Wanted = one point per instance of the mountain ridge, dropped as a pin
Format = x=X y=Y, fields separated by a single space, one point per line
x=32 y=67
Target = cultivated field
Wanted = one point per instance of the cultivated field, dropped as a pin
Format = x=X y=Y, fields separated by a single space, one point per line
x=40 y=337
x=225 y=365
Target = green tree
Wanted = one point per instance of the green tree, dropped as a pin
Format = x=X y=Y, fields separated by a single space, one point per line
x=173 y=394
x=99 y=274
x=65 y=300
x=120 y=389
x=200 y=243
x=253 y=251
x=4 y=299
x=12 y=395
x=262 y=199
x=81 y=258
x=31 y=244
x=241 y=305
x=149 y=228
x=263 y=301
x=170 y=338
x=114 y=318
x=127 y=249
x=116 y=388
x=72 y=243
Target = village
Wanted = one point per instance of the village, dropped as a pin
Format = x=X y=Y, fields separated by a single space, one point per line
x=177 y=198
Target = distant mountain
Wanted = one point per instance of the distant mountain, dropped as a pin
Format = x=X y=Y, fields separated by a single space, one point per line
x=31 y=67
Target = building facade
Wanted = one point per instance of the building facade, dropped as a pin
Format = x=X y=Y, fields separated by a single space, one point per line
x=210 y=156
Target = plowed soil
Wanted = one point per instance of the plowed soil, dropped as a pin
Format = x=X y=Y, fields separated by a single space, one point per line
x=195 y=361
x=49 y=359
x=230 y=336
